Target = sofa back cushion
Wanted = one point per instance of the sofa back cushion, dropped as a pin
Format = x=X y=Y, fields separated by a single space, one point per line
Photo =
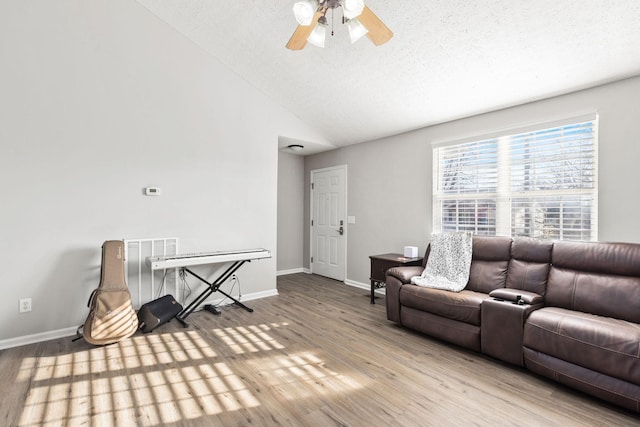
x=529 y=265
x=489 y=263
x=596 y=278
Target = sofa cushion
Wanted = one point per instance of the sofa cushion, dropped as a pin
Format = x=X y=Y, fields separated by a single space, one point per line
x=528 y=276
x=462 y=306
x=532 y=250
x=452 y=331
x=601 y=294
x=529 y=265
x=606 y=387
x=485 y=276
x=596 y=278
x=620 y=259
x=489 y=263
x=603 y=344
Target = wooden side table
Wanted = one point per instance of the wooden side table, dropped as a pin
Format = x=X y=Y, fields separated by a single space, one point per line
x=381 y=263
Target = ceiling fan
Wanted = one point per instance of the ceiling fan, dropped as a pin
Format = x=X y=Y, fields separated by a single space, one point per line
x=312 y=20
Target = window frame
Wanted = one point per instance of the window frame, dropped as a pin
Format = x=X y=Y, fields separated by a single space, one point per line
x=503 y=194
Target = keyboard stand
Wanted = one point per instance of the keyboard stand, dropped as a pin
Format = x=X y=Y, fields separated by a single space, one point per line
x=211 y=288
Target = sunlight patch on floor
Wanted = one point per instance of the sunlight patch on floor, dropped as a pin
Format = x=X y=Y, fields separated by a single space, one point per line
x=158 y=379
x=303 y=375
x=250 y=339
x=148 y=379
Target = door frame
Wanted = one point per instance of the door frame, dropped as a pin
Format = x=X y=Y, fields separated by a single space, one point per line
x=311 y=212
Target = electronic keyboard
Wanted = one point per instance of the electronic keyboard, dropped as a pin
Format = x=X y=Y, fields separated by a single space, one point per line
x=201 y=258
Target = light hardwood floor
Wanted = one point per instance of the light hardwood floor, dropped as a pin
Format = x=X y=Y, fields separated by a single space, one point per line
x=318 y=354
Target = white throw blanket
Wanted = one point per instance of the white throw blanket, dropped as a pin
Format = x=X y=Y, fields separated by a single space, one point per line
x=449 y=262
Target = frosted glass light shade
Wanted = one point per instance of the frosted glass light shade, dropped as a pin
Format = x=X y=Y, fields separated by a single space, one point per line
x=352 y=8
x=318 y=35
x=295 y=147
x=356 y=30
x=304 y=11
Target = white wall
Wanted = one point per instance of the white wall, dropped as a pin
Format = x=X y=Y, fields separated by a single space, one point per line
x=98 y=100
x=290 y=220
x=390 y=186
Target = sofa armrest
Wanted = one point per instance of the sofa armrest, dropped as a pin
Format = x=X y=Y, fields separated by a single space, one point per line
x=501 y=327
x=404 y=274
x=511 y=294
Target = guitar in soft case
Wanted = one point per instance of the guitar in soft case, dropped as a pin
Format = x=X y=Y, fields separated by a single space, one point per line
x=112 y=317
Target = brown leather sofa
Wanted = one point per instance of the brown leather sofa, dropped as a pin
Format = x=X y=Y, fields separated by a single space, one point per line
x=569 y=311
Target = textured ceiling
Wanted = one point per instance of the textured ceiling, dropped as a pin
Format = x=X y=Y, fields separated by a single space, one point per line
x=448 y=58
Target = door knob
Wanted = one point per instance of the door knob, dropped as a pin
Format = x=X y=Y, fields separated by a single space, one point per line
x=341 y=230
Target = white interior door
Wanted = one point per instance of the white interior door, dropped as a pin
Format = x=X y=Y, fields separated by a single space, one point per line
x=328 y=225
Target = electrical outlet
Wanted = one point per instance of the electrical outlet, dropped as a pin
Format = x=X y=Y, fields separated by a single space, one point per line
x=25 y=305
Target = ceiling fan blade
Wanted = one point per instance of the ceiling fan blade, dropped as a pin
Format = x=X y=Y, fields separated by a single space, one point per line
x=378 y=32
x=299 y=38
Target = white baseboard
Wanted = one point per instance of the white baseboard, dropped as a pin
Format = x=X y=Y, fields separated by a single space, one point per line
x=357 y=284
x=244 y=298
x=366 y=286
x=71 y=331
x=36 y=338
x=292 y=271
x=258 y=295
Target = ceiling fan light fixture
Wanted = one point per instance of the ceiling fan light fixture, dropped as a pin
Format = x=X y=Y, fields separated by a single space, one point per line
x=356 y=30
x=304 y=11
x=352 y=8
x=312 y=22
x=318 y=35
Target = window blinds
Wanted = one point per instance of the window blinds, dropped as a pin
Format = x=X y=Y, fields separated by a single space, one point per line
x=540 y=183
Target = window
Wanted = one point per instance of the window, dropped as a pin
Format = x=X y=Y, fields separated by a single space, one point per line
x=536 y=183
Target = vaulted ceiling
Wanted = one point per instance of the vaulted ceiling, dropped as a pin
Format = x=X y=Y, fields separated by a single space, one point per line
x=448 y=59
